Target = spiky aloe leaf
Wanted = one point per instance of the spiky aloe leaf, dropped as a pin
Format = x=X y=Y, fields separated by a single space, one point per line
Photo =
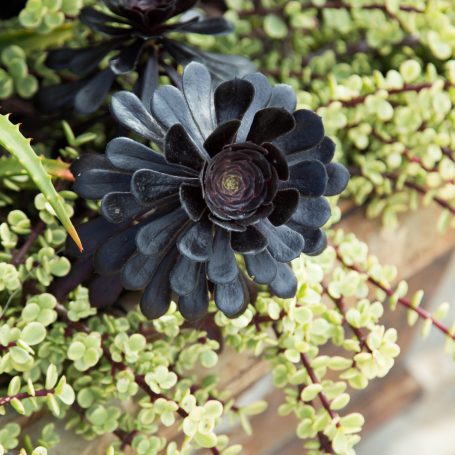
x=13 y=141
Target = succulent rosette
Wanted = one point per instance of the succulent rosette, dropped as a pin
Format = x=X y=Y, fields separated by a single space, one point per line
x=137 y=40
x=238 y=172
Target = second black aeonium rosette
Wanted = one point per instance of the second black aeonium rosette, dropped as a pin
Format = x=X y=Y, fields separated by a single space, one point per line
x=139 y=36
x=241 y=173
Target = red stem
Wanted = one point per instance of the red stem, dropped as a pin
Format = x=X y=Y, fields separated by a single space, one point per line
x=341 y=305
x=324 y=401
x=125 y=437
x=444 y=204
x=9 y=345
x=328 y=5
x=449 y=153
x=404 y=302
x=24 y=395
x=19 y=256
x=408 y=155
x=420 y=189
x=394 y=91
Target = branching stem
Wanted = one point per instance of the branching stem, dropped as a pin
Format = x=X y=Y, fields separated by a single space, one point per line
x=423 y=314
x=19 y=256
x=24 y=395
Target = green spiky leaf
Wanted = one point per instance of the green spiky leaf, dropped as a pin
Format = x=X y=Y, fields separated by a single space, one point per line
x=13 y=141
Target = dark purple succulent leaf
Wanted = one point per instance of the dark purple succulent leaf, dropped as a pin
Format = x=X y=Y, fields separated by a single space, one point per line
x=184 y=275
x=127 y=154
x=285 y=283
x=309 y=178
x=276 y=157
x=113 y=254
x=90 y=97
x=197 y=89
x=222 y=267
x=104 y=290
x=81 y=270
x=148 y=80
x=150 y=186
x=269 y=124
x=228 y=225
x=100 y=21
x=118 y=207
x=169 y=107
x=312 y=212
x=126 y=60
x=58 y=98
x=125 y=10
x=92 y=234
x=192 y=201
x=262 y=95
x=223 y=135
x=81 y=61
x=261 y=267
x=249 y=242
x=184 y=21
x=155 y=16
x=283 y=96
x=285 y=204
x=128 y=110
x=315 y=239
x=250 y=288
x=89 y=161
x=230 y=298
x=221 y=66
x=209 y=26
x=323 y=152
x=195 y=305
x=196 y=243
x=183 y=5
x=180 y=149
x=157 y=295
x=308 y=133
x=159 y=234
x=232 y=99
x=338 y=179
x=138 y=271
x=263 y=212
x=284 y=244
x=95 y=183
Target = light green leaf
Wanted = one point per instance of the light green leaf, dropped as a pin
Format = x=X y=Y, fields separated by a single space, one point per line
x=51 y=376
x=33 y=333
x=13 y=141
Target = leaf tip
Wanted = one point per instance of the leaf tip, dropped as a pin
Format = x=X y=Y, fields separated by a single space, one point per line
x=74 y=235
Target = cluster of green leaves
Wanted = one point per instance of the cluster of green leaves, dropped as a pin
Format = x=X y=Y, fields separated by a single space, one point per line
x=381 y=75
x=15 y=75
x=47 y=15
x=162 y=367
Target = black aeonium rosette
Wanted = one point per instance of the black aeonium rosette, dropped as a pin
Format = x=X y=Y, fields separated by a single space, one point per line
x=137 y=39
x=241 y=173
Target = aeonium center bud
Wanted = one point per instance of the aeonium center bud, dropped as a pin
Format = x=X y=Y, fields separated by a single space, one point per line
x=238 y=181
